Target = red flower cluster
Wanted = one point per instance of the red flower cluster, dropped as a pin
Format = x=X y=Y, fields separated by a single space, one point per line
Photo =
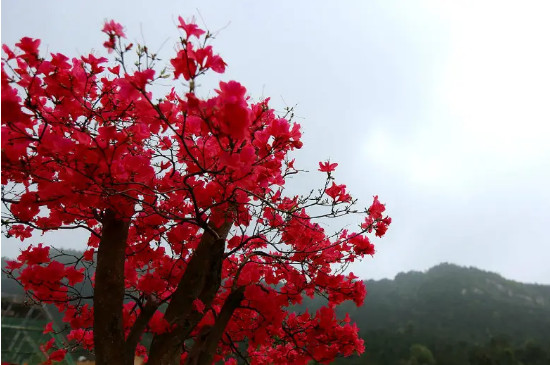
x=191 y=29
x=184 y=183
x=327 y=166
x=114 y=30
x=375 y=219
x=338 y=193
x=191 y=62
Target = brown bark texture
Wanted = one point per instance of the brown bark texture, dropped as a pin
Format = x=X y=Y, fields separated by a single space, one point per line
x=202 y=279
x=204 y=348
x=109 y=291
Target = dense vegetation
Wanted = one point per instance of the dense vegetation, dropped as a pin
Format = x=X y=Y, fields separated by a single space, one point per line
x=447 y=315
x=452 y=315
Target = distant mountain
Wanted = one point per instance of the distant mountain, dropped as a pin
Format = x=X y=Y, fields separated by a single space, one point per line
x=452 y=310
x=456 y=303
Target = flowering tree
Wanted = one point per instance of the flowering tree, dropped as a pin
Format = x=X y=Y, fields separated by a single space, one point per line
x=191 y=235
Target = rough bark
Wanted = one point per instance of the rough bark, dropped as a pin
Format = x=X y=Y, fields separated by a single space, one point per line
x=138 y=328
x=109 y=291
x=201 y=280
x=204 y=349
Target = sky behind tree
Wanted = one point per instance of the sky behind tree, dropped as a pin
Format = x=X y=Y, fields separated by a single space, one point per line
x=438 y=107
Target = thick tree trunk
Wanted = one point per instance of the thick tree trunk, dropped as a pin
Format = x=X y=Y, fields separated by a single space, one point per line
x=109 y=291
x=201 y=280
x=205 y=346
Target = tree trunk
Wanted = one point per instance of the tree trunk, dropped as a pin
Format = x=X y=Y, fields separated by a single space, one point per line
x=205 y=346
x=109 y=291
x=138 y=328
x=201 y=280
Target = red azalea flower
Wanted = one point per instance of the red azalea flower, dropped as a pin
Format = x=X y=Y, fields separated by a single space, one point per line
x=327 y=166
x=114 y=28
x=191 y=29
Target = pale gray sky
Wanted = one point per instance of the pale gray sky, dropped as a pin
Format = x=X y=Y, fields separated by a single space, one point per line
x=439 y=107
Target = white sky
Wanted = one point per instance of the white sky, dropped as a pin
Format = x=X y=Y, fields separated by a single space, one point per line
x=439 y=107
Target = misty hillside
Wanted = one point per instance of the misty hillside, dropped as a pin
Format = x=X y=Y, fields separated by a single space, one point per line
x=455 y=302
x=461 y=315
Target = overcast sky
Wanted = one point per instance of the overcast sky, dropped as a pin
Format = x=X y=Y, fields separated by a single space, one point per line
x=439 y=107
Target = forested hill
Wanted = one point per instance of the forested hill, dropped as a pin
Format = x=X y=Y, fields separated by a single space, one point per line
x=447 y=315
x=461 y=315
x=455 y=302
